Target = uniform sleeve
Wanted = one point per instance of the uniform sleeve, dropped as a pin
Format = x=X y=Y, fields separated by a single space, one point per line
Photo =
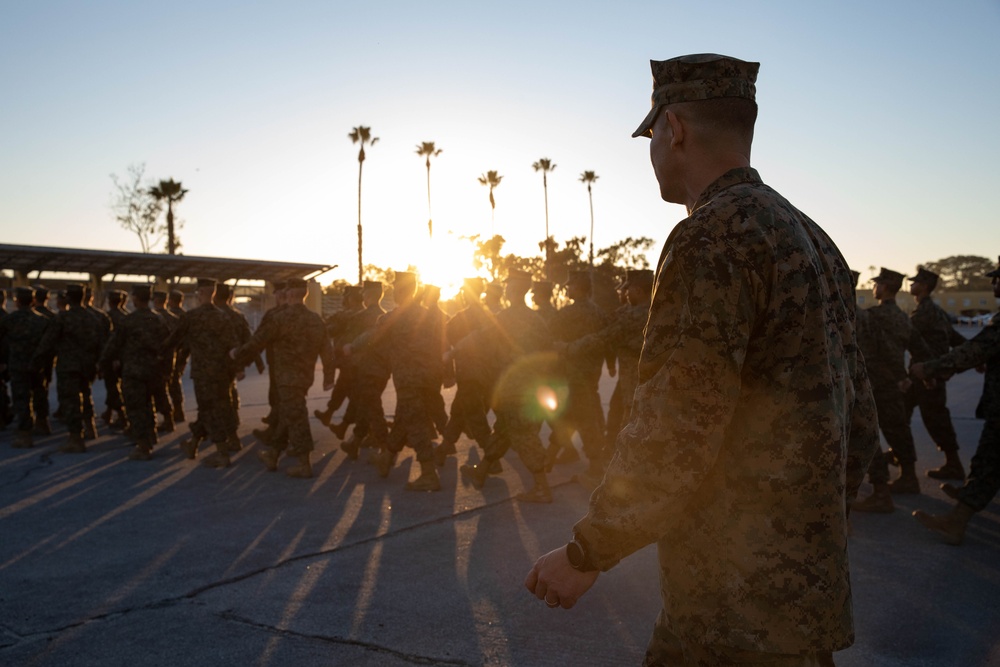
x=917 y=346
x=696 y=340
x=260 y=339
x=972 y=353
x=864 y=436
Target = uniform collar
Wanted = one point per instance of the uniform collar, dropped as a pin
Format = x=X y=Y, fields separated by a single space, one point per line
x=727 y=180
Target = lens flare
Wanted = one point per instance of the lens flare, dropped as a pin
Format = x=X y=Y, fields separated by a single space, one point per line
x=547 y=398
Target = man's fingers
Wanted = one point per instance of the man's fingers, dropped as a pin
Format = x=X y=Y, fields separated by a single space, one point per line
x=531 y=580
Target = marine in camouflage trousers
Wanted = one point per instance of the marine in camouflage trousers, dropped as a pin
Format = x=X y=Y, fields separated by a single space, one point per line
x=895 y=425
x=515 y=430
x=468 y=413
x=412 y=424
x=370 y=415
x=73 y=390
x=934 y=412
x=983 y=482
x=585 y=415
x=293 y=432
x=21 y=396
x=212 y=395
x=138 y=394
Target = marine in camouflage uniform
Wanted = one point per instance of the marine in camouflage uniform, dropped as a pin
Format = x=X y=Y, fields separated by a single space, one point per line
x=404 y=336
x=271 y=418
x=6 y=416
x=20 y=333
x=983 y=481
x=114 y=402
x=338 y=328
x=582 y=412
x=104 y=335
x=934 y=326
x=887 y=369
x=136 y=347
x=209 y=334
x=518 y=343
x=474 y=372
x=753 y=420
x=162 y=400
x=42 y=380
x=296 y=336
x=444 y=373
x=615 y=416
x=374 y=370
x=175 y=305
x=624 y=334
x=223 y=300
x=73 y=338
x=541 y=296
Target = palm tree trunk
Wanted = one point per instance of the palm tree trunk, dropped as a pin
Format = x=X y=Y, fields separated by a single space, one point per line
x=430 y=223
x=360 y=265
x=548 y=251
x=591 y=197
x=170 y=227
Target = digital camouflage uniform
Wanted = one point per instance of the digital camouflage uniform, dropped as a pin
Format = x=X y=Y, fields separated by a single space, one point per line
x=137 y=344
x=474 y=377
x=20 y=333
x=162 y=400
x=887 y=368
x=174 y=385
x=209 y=335
x=112 y=378
x=73 y=338
x=983 y=480
x=295 y=336
x=340 y=328
x=42 y=380
x=583 y=366
x=934 y=326
x=374 y=370
x=242 y=327
x=753 y=423
x=518 y=343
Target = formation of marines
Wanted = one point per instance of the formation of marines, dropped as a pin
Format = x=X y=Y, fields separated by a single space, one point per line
x=514 y=367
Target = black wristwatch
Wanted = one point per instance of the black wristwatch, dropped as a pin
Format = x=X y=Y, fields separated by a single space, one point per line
x=576 y=552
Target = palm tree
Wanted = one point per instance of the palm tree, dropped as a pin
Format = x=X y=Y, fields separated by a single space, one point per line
x=173 y=192
x=545 y=165
x=363 y=136
x=492 y=179
x=427 y=148
x=589 y=177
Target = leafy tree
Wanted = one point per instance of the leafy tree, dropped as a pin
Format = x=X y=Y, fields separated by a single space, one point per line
x=588 y=177
x=545 y=165
x=361 y=135
x=172 y=192
x=629 y=253
x=962 y=273
x=136 y=209
x=427 y=149
x=492 y=179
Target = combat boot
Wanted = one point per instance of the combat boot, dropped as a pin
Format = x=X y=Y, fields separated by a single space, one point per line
x=303 y=470
x=539 y=493
x=143 y=451
x=42 y=426
x=952 y=491
x=22 y=440
x=350 y=447
x=879 y=502
x=220 y=459
x=119 y=423
x=475 y=473
x=89 y=429
x=106 y=416
x=442 y=452
x=952 y=468
x=385 y=461
x=323 y=416
x=190 y=444
x=263 y=434
x=907 y=482
x=269 y=457
x=951 y=526
x=339 y=430
x=233 y=444
x=167 y=426
x=428 y=480
x=74 y=445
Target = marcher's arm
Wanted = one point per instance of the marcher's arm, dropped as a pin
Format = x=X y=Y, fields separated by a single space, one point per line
x=973 y=353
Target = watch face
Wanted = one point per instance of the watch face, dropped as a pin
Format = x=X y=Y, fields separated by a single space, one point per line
x=575 y=554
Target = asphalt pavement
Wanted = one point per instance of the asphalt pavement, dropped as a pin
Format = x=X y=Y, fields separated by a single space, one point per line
x=106 y=561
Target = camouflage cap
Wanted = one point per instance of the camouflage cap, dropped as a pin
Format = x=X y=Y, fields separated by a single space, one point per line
x=373 y=284
x=518 y=276
x=222 y=290
x=280 y=285
x=639 y=277
x=995 y=273
x=295 y=283
x=925 y=276
x=889 y=276
x=703 y=76
x=352 y=290
x=142 y=291
x=41 y=292
x=74 y=290
x=24 y=293
x=404 y=277
x=206 y=282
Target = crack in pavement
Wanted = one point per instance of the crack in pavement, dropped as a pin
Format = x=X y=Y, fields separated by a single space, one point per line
x=343 y=641
x=44 y=461
x=194 y=593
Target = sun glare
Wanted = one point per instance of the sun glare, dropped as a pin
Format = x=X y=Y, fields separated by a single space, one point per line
x=446 y=261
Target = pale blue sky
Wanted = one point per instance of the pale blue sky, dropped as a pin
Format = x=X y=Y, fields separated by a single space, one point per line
x=878 y=119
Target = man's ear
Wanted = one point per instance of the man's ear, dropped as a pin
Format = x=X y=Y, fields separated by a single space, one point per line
x=677 y=129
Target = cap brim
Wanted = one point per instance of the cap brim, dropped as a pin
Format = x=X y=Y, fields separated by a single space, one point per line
x=645 y=128
x=993 y=274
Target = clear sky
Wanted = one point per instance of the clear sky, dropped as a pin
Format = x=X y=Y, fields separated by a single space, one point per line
x=878 y=119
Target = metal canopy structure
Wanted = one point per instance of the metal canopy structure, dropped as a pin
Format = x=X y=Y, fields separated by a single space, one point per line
x=99 y=263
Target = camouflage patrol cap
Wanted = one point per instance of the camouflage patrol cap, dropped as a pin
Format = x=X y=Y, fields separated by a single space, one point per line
x=296 y=283
x=925 y=276
x=74 y=291
x=518 y=276
x=222 y=290
x=995 y=273
x=693 y=78
x=280 y=285
x=41 y=292
x=142 y=291
x=206 y=282
x=352 y=290
x=374 y=285
x=639 y=277
x=404 y=278
x=889 y=277
x=23 y=294
x=542 y=287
